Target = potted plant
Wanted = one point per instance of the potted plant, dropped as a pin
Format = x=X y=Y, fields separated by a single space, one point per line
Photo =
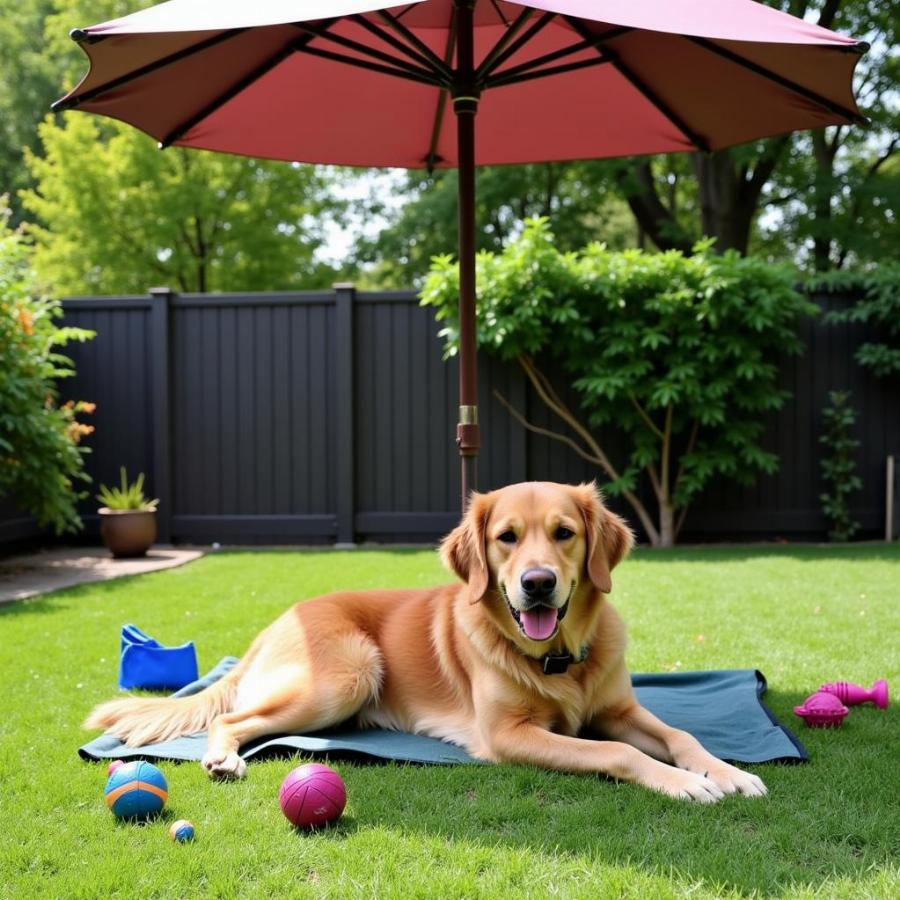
x=127 y=517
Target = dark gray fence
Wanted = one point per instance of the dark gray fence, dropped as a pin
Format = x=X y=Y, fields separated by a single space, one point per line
x=320 y=417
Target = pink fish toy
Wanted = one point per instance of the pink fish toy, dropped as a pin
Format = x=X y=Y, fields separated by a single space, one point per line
x=854 y=694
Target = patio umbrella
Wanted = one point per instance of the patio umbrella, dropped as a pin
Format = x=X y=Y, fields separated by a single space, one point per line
x=356 y=83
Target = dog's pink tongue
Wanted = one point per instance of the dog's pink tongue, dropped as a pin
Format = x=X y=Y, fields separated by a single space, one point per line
x=539 y=623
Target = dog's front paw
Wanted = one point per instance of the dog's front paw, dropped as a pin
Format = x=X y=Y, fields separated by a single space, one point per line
x=684 y=785
x=224 y=765
x=731 y=780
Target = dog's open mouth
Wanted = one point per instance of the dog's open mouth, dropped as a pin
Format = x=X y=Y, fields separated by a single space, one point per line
x=539 y=623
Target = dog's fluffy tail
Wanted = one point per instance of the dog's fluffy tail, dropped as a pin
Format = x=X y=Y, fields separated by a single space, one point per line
x=146 y=720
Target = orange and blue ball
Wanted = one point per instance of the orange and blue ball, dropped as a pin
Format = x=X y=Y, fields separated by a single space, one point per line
x=181 y=831
x=136 y=790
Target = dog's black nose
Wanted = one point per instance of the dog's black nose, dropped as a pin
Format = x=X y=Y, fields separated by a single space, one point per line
x=538 y=583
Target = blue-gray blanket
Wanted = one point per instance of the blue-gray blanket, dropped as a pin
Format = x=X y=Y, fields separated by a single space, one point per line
x=723 y=710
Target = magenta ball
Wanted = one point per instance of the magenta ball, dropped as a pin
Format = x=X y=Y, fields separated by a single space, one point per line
x=312 y=795
x=115 y=764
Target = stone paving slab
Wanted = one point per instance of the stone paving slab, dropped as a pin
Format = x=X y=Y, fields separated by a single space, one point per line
x=37 y=573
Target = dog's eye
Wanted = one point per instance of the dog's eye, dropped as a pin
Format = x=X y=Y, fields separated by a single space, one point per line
x=563 y=534
x=508 y=537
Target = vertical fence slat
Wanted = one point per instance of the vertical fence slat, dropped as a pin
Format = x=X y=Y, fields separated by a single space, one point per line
x=161 y=409
x=345 y=416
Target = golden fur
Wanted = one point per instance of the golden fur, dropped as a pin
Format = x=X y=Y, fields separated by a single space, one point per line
x=453 y=662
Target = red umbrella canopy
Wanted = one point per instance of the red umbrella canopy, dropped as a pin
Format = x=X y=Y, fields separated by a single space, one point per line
x=351 y=82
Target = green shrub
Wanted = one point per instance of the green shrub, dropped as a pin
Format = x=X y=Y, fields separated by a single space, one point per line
x=679 y=353
x=40 y=456
x=839 y=468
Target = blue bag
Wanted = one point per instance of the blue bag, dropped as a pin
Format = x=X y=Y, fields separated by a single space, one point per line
x=145 y=663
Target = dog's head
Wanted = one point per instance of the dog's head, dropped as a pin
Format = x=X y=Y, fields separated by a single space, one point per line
x=535 y=549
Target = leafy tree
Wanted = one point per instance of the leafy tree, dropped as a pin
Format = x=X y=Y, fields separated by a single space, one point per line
x=839 y=467
x=39 y=61
x=118 y=215
x=678 y=353
x=40 y=457
x=29 y=82
x=578 y=197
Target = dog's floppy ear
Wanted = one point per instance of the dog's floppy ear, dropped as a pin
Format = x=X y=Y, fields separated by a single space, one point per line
x=463 y=550
x=608 y=537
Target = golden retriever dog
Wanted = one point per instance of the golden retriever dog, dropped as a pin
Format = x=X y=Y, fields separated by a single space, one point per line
x=511 y=664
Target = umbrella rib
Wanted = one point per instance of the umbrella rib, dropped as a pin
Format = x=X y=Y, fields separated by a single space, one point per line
x=396 y=62
x=539 y=61
x=700 y=142
x=74 y=102
x=499 y=12
x=559 y=54
x=498 y=53
x=503 y=80
x=406 y=9
x=177 y=133
x=757 y=69
x=432 y=156
x=642 y=87
x=419 y=76
x=434 y=64
x=440 y=65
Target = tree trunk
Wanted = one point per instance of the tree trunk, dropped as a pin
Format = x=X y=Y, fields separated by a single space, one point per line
x=727 y=203
x=729 y=190
x=650 y=213
x=666 y=523
x=662 y=482
x=823 y=189
x=589 y=450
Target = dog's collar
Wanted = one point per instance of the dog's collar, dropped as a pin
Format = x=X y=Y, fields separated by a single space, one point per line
x=558 y=663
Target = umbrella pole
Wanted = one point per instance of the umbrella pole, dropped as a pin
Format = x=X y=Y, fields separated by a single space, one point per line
x=465 y=105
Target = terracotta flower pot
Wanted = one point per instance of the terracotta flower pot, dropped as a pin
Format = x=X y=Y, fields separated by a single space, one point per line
x=127 y=532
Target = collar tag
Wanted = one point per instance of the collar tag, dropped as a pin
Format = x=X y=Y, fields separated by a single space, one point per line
x=557 y=663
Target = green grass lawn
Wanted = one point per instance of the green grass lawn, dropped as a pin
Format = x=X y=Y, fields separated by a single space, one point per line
x=830 y=828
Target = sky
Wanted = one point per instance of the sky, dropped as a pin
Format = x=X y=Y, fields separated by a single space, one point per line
x=341 y=236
